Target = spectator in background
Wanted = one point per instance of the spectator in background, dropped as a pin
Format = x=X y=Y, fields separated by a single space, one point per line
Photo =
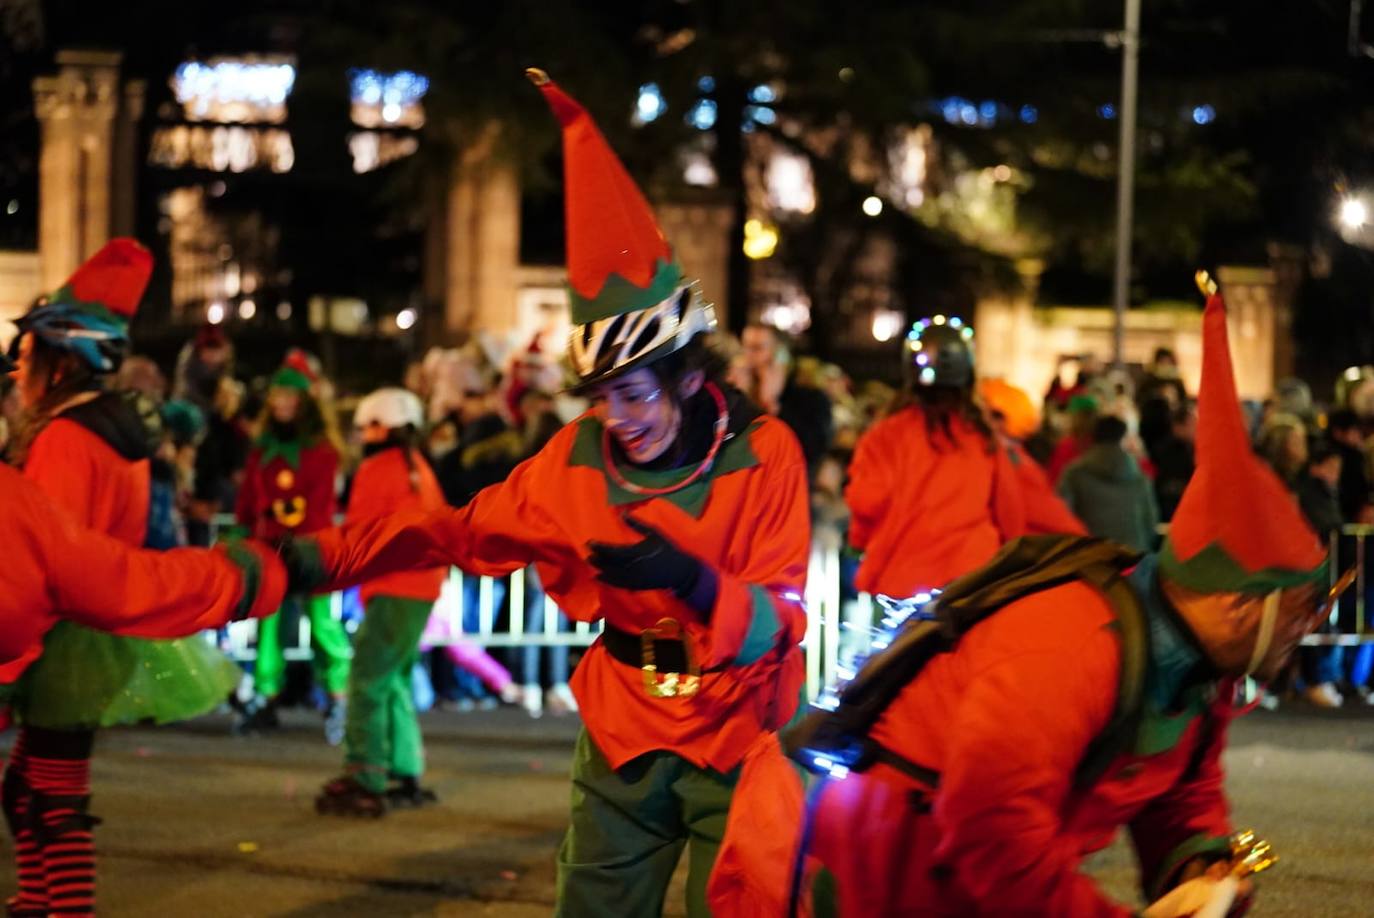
x=206 y=359
x=1013 y=418
x=1106 y=489
x=1173 y=459
x=1317 y=490
x=180 y=427
x=773 y=386
x=1162 y=381
x=486 y=450
x=1083 y=412
x=220 y=460
x=1283 y=444
x=487 y=446
x=1294 y=397
x=1353 y=491
x=1074 y=376
x=140 y=374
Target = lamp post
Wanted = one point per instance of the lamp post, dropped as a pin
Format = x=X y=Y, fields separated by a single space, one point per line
x=1125 y=187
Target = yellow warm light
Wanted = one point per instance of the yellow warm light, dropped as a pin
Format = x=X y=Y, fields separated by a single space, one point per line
x=760 y=239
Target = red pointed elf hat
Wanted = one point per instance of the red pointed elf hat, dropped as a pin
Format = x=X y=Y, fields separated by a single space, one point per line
x=1237 y=528
x=618 y=258
x=111 y=280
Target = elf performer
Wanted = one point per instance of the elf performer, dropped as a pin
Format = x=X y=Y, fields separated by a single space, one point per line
x=88 y=450
x=932 y=494
x=1009 y=758
x=289 y=489
x=1013 y=417
x=671 y=510
x=382 y=735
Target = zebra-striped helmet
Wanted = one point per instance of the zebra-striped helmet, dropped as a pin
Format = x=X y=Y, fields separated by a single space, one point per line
x=616 y=344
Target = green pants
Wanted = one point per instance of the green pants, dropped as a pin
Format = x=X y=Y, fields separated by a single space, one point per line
x=382 y=735
x=327 y=638
x=628 y=830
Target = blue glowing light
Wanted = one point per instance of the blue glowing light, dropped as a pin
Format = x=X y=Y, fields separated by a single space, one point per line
x=968 y=113
x=1107 y=111
x=762 y=93
x=702 y=115
x=1204 y=114
x=988 y=111
x=706 y=84
x=400 y=88
x=1029 y=114
x=650 y=103
x=760 y=114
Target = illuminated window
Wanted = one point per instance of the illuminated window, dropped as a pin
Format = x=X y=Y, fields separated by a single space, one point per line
x=235 y=90
x=387 y=100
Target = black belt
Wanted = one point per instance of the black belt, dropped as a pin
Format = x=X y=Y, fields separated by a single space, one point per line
x=670 y=656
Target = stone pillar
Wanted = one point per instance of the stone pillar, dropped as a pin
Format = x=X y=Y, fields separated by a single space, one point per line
x=1254 y=331
x=481 y=243
x=86 y=167
x=699 y=231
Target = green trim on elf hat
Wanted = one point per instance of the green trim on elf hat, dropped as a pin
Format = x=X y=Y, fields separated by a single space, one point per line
x=1212 y=570
x=618 y=258
x=619 y=296
x=1237 y=528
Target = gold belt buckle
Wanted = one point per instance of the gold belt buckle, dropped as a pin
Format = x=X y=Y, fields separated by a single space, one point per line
x=668 y=685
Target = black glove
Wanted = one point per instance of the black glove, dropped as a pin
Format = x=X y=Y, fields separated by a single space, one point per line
x=304 y=572
x=654 y=563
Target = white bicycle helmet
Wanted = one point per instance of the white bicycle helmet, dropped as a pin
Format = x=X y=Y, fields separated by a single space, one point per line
x=616 y=344
x=391 y=407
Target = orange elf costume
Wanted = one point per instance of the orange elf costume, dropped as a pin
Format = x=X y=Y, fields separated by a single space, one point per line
x=1063 y=713
x=930 y=502
x=381 y=733
x=88 y=450
x=697 y=570
x=1046 y=512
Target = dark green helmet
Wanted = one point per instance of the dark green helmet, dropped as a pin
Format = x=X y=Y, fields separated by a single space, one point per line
x=939 y=352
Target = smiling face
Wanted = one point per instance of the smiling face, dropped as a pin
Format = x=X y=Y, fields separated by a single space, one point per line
x=636 y=409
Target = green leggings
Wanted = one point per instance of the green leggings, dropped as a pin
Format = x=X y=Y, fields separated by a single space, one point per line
x=327 y=638
x=629 y=827
x=382 y=735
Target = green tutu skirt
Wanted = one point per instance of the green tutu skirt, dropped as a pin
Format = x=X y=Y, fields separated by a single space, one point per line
x=87 y=679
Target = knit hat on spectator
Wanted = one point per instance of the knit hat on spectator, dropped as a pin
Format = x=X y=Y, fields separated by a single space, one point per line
x=296 y=372
x=1237 y=528
x=1019 y=417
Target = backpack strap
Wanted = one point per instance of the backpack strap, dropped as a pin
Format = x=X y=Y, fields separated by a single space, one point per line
x=1133 y=636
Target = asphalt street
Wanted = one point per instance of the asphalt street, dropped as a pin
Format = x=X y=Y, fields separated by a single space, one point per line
x=199 y=823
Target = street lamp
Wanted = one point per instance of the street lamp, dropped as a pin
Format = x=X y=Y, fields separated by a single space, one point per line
x=1354 y=213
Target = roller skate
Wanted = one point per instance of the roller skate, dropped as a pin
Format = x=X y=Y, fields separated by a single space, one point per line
x=346 y=797
x=259 y=715
x=405 y=792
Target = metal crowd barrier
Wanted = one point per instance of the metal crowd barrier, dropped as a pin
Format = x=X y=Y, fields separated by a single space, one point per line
x=836 y=629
